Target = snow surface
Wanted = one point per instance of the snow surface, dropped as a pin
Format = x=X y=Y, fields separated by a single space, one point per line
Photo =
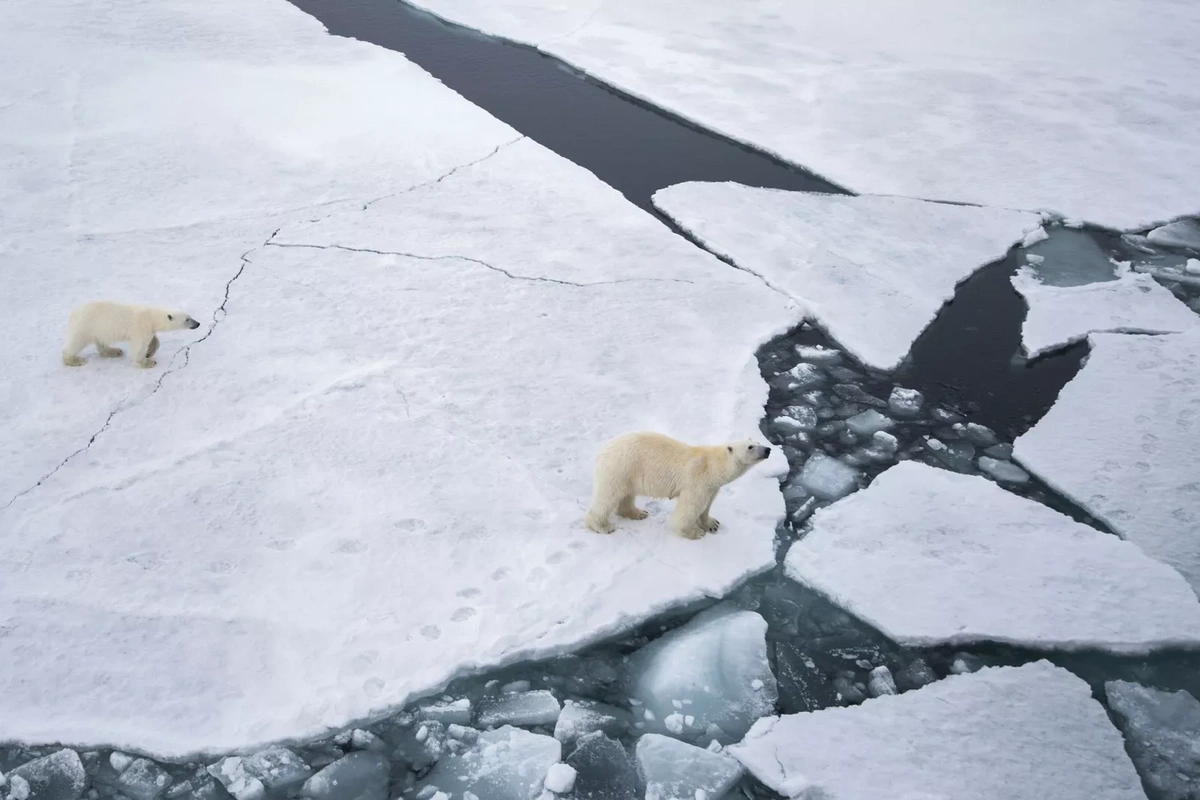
x=366 y=473
x=1008 y=733
x=873 y=271
x=1121 y=441
x=930 y=557
x=1061 y=315
x=1011 y=103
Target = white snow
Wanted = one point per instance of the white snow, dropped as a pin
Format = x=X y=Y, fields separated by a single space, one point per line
x=1061 y=315
x=1010 y=103
x=1010 y=733
x=1121 y=441
x=560 y=779
x=930 y=557
x=504 y=764
x=370 y=475
x=1182 y=233
x=873 y=271
x=675 y=770
x=1163 y=731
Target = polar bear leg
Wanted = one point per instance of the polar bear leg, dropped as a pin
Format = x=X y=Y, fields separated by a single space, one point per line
x=706 y=522
x=140 y=350
x=688 y=509
x=108 y=352
x=153 y=348
x=71 y=350
x=629 y=510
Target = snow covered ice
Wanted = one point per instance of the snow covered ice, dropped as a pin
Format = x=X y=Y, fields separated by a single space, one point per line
x=1061 y=315
x=581 y=717
x=1121 y=441
x=58 y=776
x=1010 y=733
x=1163 y=732
x=348 y=417
x=712 y=669
x=912 y=98
x=873 y=271
x=674 y=770
x=932 y=558
x=538 y=707
x=1183 y=233
x=504 y=764
x=827 y=477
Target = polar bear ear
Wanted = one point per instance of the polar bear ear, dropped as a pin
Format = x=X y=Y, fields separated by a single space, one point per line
x=170 y=317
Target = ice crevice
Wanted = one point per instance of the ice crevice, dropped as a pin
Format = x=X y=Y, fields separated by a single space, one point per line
x=445 y=175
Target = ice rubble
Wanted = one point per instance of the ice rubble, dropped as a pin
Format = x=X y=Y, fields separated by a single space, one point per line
x=930 y=557
x=920 y=99
x=873 y=271
x=537 y=707
x=504 y=764
x=345 y=421
x=1009 y=733
x=1163 y=732
x=1061 y=315
x=1121 y=442
x=581 y=717
x=57 y=776
x=675 y=770
x=709 y=677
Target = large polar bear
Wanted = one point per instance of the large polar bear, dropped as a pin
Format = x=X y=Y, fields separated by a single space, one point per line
x=104 y=323
x=653 y=465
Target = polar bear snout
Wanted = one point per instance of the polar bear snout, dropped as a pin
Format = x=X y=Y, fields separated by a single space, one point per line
x=191 y=323
x=763 y=452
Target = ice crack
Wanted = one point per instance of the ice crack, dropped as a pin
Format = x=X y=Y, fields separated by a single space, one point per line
x=444 y=176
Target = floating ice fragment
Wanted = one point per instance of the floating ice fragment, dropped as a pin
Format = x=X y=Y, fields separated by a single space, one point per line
x=515 y=687
x=958 y=455
x=231 y=773
x=119 y=762
x=847 y=691
x=143 y=780
x=981 y=434
x=537 y=707
x=964 y=663
x=881 y=682
x=855 y=394
x=1033 y=237
x=603 y=770
x=365 y=740
x=708 y=664
x=905 y=402
x=361 y=775
x=453 y=712
x=827 y=477
x=18 y=788
x=581 y=717
x=869 y=422
x=58 y=776
x=674 y=770
x=805 y=375
x=560 y=778
x=818 y=354
x=1002 y=451
x=1182 y=233
x=804 y=417
x=915 y=675
x=885 y=441
x=1192 y=267
x=1003 y=471
x=1162 y=729
x=1034 y=259
x=503 y=764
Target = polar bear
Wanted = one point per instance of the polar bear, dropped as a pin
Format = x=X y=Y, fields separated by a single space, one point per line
x=104 y=323
x=653 y=465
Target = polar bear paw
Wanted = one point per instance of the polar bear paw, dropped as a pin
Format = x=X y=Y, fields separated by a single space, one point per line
x=146 y=363
x=73 y=361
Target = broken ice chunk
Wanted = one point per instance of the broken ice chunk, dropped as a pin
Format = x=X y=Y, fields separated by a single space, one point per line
x=1162 y=730
x=803 y=417
x=869 y=422
x=817 y=354
x=278 y=768
x=804 y=376
x=560 y=779
x=1001 y=451
x=1003 y=471
x=1034 y=236
x=361 y=775
x=905 y=402
x=232 y=774
x=1034 y=259
x=881 y=682
x=448 y=712
x=581 y=717
x=603 y=770
x=18 y=788
x=58 y=776
x=709 y=666
x=847 y=691
x=855 y=394
x=503 y=764
x=143 y=780
x=674 y=770
x=885 y=441
x=118 y=761
x=1182 y=233
x=915 y=675
x=964 y=663
x=958 y=456
x=827 y=477
x=1192 y=267
x=981 y=435
x=537 y=707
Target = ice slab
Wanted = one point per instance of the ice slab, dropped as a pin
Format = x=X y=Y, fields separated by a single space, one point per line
x=603 y=770
x=1010 y=733
x=1182 y=233
x=869 y=422
x=581 y=717
x=827 y=477
x=873 y=271
x=142 y=780
x=1133 y=303
x=360 y=775
x=448 y=712
x=712 y=669
x=504 y=764
x=911 y=98
x=1121 y=442
x=930 y=557
x=58 y=776
x=675 y=770
x=538 y=707
x=342 y=417
x=1163 y=732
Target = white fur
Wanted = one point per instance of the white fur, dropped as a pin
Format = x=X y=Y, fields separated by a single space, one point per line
x=652 y=465
x=104 y=324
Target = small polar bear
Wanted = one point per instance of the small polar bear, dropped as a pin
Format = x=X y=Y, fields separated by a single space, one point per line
x=653 y=465
x=104 y=323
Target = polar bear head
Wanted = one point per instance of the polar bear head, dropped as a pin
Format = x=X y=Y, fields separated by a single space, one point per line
x=171 y=320
x=747 y=452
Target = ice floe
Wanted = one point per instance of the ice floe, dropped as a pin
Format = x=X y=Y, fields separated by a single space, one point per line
x=873 y=271
x=674 y=770
x=365 y=474
x=504 y=764
x=930 y=557
x=1121 y=442
x=1009 y=733
x=916 y=99
x=1061 y=315
x=1163 y=732
x=1183 y=233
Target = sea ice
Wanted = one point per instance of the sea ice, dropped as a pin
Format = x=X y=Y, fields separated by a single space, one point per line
x=905 y=402
x=932 y=558
x=279 y=769
x=913 y=98
x=1182 y=233
x=827 y=477
x=708 y=666
x=675 y=770
x=581 y=717
x=1163 y=732
x=869 y=422
x=538 y=707
x=1003 y=471
x=1192 y=267
x=873 y=271
x=58 y=776
x=361 y=775
x=1121 y=442
x=503 y=764
x=448 y=712
x=342 y=417
x=1134 y=303
x=1034 y=237
x=231 y=772
x=915 y=675
x=603 y=770
x=1011 y=733
x=881 y=682
x=560 y=778
x=143 y=780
